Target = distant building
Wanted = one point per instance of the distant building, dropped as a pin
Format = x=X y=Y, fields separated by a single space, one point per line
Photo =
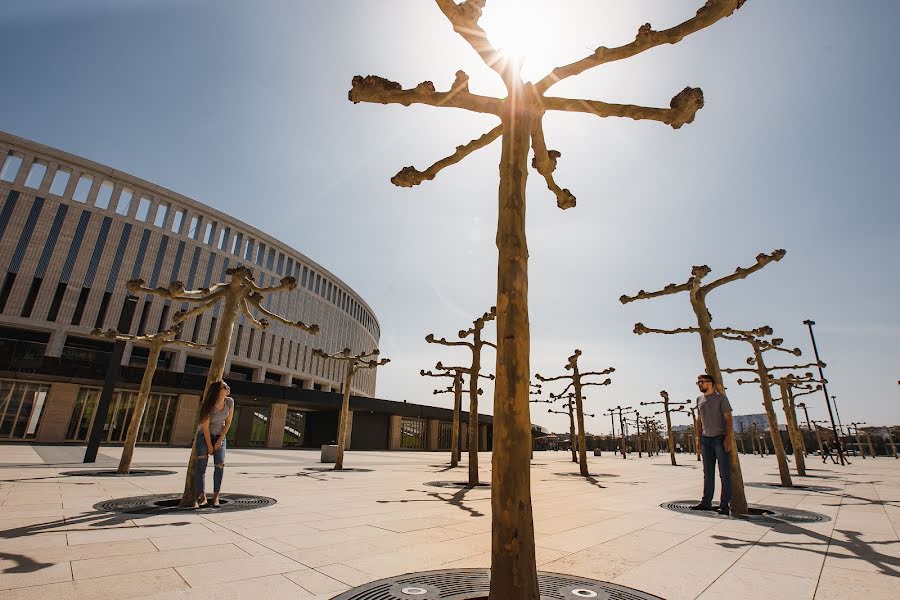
x=745 y=422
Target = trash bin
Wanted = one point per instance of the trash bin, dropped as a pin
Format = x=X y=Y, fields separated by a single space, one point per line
x=329 y=453
x=597 y=452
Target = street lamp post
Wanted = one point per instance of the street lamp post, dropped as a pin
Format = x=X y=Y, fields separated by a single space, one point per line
x=837 y=440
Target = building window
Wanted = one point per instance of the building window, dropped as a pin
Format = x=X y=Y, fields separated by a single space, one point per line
x=60 y=181
x=156 y=425
x=294 y=426
x=124 y=203
x=21 y=407
x=104 y=195
x=161 y=212
x=260 y=254
x=143 y=209
x=412 y=433
x=248 y=252
x=210 y=232
x=178 y=221
x=83 y=188
x=223 y=238
x=35 y=175
x=194 y=230
x=10 y=168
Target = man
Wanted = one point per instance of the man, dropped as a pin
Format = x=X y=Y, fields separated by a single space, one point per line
x=717 y=437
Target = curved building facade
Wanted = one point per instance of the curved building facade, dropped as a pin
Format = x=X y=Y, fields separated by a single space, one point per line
x=73 y=232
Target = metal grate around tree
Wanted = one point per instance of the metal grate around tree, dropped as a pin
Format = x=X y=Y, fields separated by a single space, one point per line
x=474 y=584
x=758 y=513
x=161 y=504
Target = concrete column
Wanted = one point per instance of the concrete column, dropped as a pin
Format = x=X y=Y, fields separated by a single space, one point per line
x=396 y=422
x=259 y=375
x=277 y=420
x=126 y=354
x=482 y=438
x=308 y=384
x=432 y=437
x=57 y=412
x=179 y=361
x=286 y=380
x=185 y=420
x=56 y=343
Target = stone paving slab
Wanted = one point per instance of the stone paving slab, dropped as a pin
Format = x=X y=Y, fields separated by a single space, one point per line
x=332 y=531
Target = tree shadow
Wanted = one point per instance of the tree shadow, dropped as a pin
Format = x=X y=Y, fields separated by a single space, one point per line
x=24 y=564
x=821 y=544
x=315 y=475
x=91 y=520
x=454 y=499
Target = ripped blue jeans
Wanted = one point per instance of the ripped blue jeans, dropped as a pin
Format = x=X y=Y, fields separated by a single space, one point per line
x=203 y=462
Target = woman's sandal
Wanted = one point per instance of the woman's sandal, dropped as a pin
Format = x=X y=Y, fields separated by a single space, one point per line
x=198 y=504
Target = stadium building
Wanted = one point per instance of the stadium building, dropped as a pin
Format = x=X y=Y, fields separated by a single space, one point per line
x=73 y=232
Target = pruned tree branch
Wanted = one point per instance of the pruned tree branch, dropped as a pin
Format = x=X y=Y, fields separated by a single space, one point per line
x=464 y=17
x=646 y=38
x=255 y=300
x=741 y=272
x=444 y=341
x=682 y=108
x=641 y=329
x=410 y=176
x=183 y=315
x=672 y=288
x=378 y=90
x=544 y=162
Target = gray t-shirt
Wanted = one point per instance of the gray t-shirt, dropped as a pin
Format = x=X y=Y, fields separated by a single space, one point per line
x=217 y=417
x=712 y=417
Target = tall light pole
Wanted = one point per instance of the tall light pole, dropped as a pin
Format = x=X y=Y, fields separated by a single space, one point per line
x=837 y=414
x=837 y=439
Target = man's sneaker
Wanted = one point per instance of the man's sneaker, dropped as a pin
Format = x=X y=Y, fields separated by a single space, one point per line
x=723 y=510
x=701 y=506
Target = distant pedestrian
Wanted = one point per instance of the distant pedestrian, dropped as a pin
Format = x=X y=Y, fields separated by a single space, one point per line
x=826 y=452
x=216 y=413
x=717 y=437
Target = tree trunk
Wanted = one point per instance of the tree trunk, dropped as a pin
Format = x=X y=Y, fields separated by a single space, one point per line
x=711 y=361
x=780 y=455
x=670 y=436
x=891 y=442
x=622 y=430
x=871 y=447
x=793 y=431
x=137 y=415
x=579 y=412
x=859 y=444
x=473 y=409
x=513 y=563
x=454 y=428
x=572 y=430
x=216 y=372
x=342 y=421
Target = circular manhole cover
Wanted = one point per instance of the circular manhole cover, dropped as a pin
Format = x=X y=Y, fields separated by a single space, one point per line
x=344 y=470
x=799 y=486
x=757 y=512
x=456 y=484
x=156 y=504
x=474 y=584
x=113 y=473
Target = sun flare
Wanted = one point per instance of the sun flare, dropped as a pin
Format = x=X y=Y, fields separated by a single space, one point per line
x=519 y=30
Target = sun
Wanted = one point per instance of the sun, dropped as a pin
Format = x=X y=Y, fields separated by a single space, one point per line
x=518 y=28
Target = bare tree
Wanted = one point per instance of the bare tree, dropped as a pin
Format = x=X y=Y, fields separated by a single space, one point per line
x=666 y=410
x=570 y=410
x=695 y=429
x=697 y=293
x=157 y=342
x=760 y=345
x=456 y=373
x=576 y=384
x=474 y=371
x=513 y=567
x=355 y=362
x=238 y=295
x=810 y=427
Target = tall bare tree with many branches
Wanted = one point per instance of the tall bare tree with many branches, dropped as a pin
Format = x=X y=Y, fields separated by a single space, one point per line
x=576 y=384
x=238 y=295
x=521 y=112
x=697 y=292
x=474 y=371
x=157 y=342
x=355 y=362
x=456 y=373
x=670 y=436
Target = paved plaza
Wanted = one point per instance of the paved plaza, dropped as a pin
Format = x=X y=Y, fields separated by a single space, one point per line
x=331 y=531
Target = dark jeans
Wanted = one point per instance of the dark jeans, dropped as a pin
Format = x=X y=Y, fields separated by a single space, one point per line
x=712 y=449
x=203 y=462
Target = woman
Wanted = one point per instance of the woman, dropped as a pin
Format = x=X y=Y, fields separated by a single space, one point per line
x=215 y=419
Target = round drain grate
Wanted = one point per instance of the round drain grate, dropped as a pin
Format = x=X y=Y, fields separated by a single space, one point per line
x=344 y=470
x=804 y=487
x=474 y=584
x=157 y=504
x=758 y=512
x=457 y=485
x=113 y=473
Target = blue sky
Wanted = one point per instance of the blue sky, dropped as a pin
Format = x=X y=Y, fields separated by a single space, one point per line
x=243 y=106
